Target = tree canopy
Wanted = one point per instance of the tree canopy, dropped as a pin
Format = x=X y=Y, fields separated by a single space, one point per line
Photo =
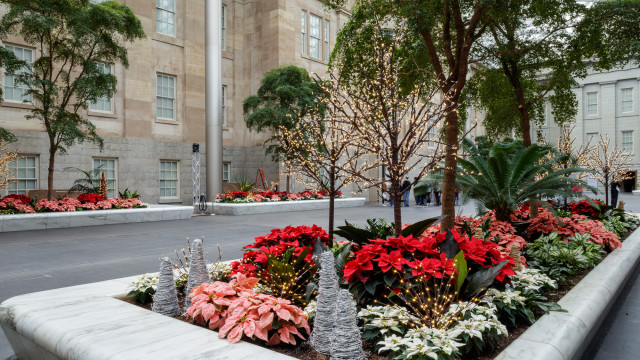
x=71 y=38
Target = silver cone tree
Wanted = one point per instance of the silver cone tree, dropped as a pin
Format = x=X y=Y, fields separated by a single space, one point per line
x=346 y=341
x=165 y=300
x=198 y=273
x=325 y=319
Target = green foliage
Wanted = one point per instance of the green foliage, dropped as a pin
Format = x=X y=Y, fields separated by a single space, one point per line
x=246 y=185
x=89 y=182
x=126 y=194
x=71 y=37
x=558 y=258
x=286 y=94
x=379 y=229
x=510 y=176
x=617 y=225
x=289 y=276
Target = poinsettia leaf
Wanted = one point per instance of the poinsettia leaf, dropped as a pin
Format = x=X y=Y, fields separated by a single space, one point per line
x=417 y=229
x=389 y=278
x=449 y=246
x=461 y=270
x=311 y=287
x=342 y=258
x=371 y=286
x=482 y=279
x=355 y=234
x=318 y=249
x=300 y=259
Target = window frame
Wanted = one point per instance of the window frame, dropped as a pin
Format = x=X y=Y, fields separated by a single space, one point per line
x=224 y=105
x=623 y=101
x=172 y=13
x=176 y=180
x=590 y=135
x=174 y=98
x=596 y=104
x=16 y=179
x=324 y=32
x=5 y=75
x=111 y=102
x=630 y=133
x=226 y=168
x=223 y=28
x=112 y=192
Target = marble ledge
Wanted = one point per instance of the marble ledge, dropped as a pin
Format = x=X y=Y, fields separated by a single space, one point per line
x=88 y=322
x=279 y=206
x=41 y=221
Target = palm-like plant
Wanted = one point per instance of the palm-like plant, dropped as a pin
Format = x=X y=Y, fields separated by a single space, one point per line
x=89 y=183
x=510 y=176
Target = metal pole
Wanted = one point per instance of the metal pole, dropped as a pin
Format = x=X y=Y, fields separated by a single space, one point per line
x=213 y=97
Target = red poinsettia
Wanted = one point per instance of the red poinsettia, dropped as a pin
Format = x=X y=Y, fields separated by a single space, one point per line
x=90 y=198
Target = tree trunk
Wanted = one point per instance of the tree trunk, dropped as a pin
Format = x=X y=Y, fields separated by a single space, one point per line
x=52 y=159
x=332 y=199
x=450 y=166
x=606 y=191
x=397 y=212
x=288 y=181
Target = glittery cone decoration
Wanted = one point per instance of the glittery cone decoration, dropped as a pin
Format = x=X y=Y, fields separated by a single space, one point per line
x=198 y=273
x=103 y=187
x=165 y=301
x=325 y=319
x=346 y=341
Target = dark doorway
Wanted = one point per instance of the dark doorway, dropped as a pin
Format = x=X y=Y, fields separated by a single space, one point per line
x=630 y=184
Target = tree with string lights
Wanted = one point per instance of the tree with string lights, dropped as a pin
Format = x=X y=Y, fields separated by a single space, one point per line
x=389 y=123
x=609 y=164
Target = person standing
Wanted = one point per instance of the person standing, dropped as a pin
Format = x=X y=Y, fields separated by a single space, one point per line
x=406 y=187
x=614 y=194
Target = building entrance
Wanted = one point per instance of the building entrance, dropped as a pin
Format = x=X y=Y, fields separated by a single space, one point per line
x=630 y=184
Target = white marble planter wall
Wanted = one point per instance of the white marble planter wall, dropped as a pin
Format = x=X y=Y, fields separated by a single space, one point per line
x=565 y=336
x=280 y=206
x=22 y=222
x=89 y=322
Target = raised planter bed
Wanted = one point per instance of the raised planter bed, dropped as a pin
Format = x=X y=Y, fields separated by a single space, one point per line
x=565 y=336
x=89 y=322
x=56 y=220
x=279 y=206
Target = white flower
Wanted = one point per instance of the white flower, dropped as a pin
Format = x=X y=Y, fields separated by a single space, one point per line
x=419 y=347
x=144 y=282
x=310 y=309
x=391 y=343
x=219 y=271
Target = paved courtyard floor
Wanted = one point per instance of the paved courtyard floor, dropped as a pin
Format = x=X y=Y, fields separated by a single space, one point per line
x=40 y=260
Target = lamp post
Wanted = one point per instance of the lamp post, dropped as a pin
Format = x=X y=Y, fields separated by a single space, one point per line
x=213 y=97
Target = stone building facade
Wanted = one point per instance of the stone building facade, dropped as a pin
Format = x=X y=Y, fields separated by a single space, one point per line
x=159 y=109
x=608 y=104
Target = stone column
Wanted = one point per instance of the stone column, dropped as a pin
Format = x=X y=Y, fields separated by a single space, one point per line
x=213 y=98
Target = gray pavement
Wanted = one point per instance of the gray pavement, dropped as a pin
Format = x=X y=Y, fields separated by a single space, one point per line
x=40 y=260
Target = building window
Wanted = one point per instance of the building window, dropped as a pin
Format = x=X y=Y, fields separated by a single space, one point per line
x=627 y=141
x=166 y=17
x=110 y=170
x=224 y=105
x=304 y=32
x=169 y=180
x=223 y=30
x=326 y=40
x=166 y=96
x=25 y=172
x=14 y=91
x=627 y=100
x=103 y=104
x=225 y=172
x=315 y=36
x=592 y=103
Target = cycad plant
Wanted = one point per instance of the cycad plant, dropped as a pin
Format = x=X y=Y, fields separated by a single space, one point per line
x=510 y=176
x=89 y=183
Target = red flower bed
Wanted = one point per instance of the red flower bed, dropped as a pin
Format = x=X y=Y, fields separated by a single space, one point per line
x=22 y=198
x=384 y=264
x=583 y=207
x=90 y=198
x=254 y=262
x=243 y=196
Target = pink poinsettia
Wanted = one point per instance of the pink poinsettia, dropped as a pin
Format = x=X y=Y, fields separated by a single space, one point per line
x=237 y=311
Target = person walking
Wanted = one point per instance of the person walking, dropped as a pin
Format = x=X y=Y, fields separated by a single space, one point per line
x=418 y=198
x=383 y=188
x=406 y=187
x=614 y=194
x=457 y=198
